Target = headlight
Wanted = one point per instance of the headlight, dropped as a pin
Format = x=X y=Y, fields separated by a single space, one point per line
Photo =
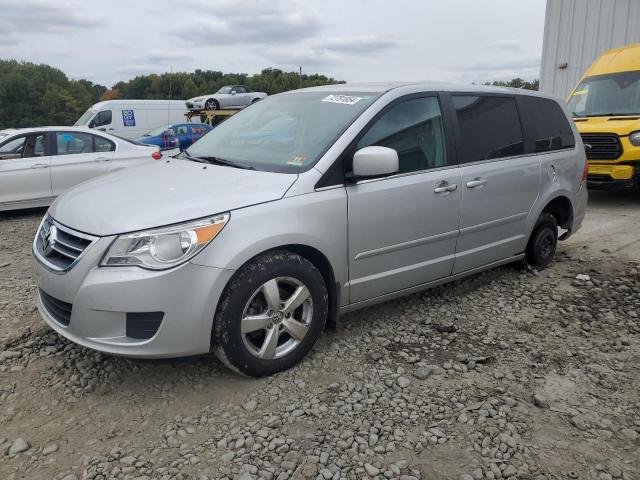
x=166 y=247
x=634 y=138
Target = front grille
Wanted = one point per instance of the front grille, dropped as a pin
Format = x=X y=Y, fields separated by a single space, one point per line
x=59 y=310
x=602 y=146
x=58 y=246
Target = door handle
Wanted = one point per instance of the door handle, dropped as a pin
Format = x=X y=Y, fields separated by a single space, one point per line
x=101 y=159
x=445 y=187
x=40 y=165
x=477 y=182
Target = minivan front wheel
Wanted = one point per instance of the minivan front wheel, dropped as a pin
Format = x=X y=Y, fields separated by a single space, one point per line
x=270 y=315
x=541 y=248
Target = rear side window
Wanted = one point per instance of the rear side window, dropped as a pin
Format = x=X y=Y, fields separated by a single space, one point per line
x=489 y=127
x=415 y=130
x=547 y=125
x=101 y=144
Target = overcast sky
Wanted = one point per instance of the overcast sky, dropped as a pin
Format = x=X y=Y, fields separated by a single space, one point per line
x=353 y=40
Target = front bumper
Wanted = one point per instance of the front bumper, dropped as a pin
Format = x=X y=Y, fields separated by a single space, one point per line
x=195 y=105
x=101 y=298
x=612 y=176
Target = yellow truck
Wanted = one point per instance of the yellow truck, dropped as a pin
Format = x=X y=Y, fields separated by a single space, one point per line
x=606 y=109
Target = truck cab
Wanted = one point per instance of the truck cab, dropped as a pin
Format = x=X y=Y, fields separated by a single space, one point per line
x=606 y=108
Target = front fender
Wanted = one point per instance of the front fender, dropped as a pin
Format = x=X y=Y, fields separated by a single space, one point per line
x=316 y=219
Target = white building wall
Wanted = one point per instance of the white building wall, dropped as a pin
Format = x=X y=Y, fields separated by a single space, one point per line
x=576 y=32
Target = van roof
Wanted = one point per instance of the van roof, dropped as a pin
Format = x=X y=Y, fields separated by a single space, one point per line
x=139 y=103
x=621 y=59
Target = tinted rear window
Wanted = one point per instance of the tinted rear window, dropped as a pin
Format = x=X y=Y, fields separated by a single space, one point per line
x=547 y=125
x=489 y=127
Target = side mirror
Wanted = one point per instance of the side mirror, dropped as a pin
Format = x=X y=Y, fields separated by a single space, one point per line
x=233 y=92
x=375 y=162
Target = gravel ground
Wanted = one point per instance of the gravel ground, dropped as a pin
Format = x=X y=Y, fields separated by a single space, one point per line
x=508 y=374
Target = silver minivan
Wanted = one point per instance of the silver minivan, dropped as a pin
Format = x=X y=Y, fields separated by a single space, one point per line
x=304 y=206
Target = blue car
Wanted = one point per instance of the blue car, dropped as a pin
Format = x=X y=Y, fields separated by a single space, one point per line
x=179 y=135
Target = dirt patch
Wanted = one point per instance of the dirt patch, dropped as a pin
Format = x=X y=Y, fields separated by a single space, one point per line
x=508 y=374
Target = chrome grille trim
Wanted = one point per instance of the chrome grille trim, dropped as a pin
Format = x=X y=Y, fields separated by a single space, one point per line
x=67 y=248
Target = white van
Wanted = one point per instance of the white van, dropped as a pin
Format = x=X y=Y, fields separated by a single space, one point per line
x=132 y=118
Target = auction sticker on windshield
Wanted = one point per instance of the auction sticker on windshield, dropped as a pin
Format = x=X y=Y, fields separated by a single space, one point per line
x=344 y=99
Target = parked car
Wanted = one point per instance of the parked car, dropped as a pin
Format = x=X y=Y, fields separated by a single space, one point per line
x=37 y=164
x=132 y=118
x=248 y=248
x=180 y=135
x=606 y=109
x=231 y=96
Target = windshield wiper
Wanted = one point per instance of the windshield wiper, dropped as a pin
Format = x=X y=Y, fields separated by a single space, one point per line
x=225 y=162
x=186 y=156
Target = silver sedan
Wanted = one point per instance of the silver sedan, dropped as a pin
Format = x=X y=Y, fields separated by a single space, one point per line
x=231 y=96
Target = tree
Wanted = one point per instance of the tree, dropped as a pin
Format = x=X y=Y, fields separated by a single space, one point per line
x=189 y=89
x=33 y=95
x=517 y=83
x=110 y=94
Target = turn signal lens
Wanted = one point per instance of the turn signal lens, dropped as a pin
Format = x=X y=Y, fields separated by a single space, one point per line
x=208 y=233
x=585 y=171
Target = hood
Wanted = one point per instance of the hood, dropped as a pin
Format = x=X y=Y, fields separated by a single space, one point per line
x=163 y=193
x=618 y=125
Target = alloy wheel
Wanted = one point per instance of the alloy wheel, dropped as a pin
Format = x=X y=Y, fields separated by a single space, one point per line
x=276 y=318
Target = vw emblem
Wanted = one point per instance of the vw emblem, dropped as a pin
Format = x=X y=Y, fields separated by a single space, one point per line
x=277 y=317
x=49 y=240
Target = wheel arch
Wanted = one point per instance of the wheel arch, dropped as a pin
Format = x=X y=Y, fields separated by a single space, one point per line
x=322 y=263
x=562 y=209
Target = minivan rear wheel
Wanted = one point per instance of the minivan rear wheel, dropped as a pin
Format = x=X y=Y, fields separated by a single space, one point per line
x=541 y=248
x=270 y=315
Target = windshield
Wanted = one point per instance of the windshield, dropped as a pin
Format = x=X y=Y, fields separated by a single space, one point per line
x=607 y=95
x=84 y=119
x=158 y=131
x=284 y=133
x=224 y=90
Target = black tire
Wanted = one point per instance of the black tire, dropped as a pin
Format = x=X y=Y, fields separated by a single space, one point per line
x=211 y=104
x=541 y=248
x=227 y=338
